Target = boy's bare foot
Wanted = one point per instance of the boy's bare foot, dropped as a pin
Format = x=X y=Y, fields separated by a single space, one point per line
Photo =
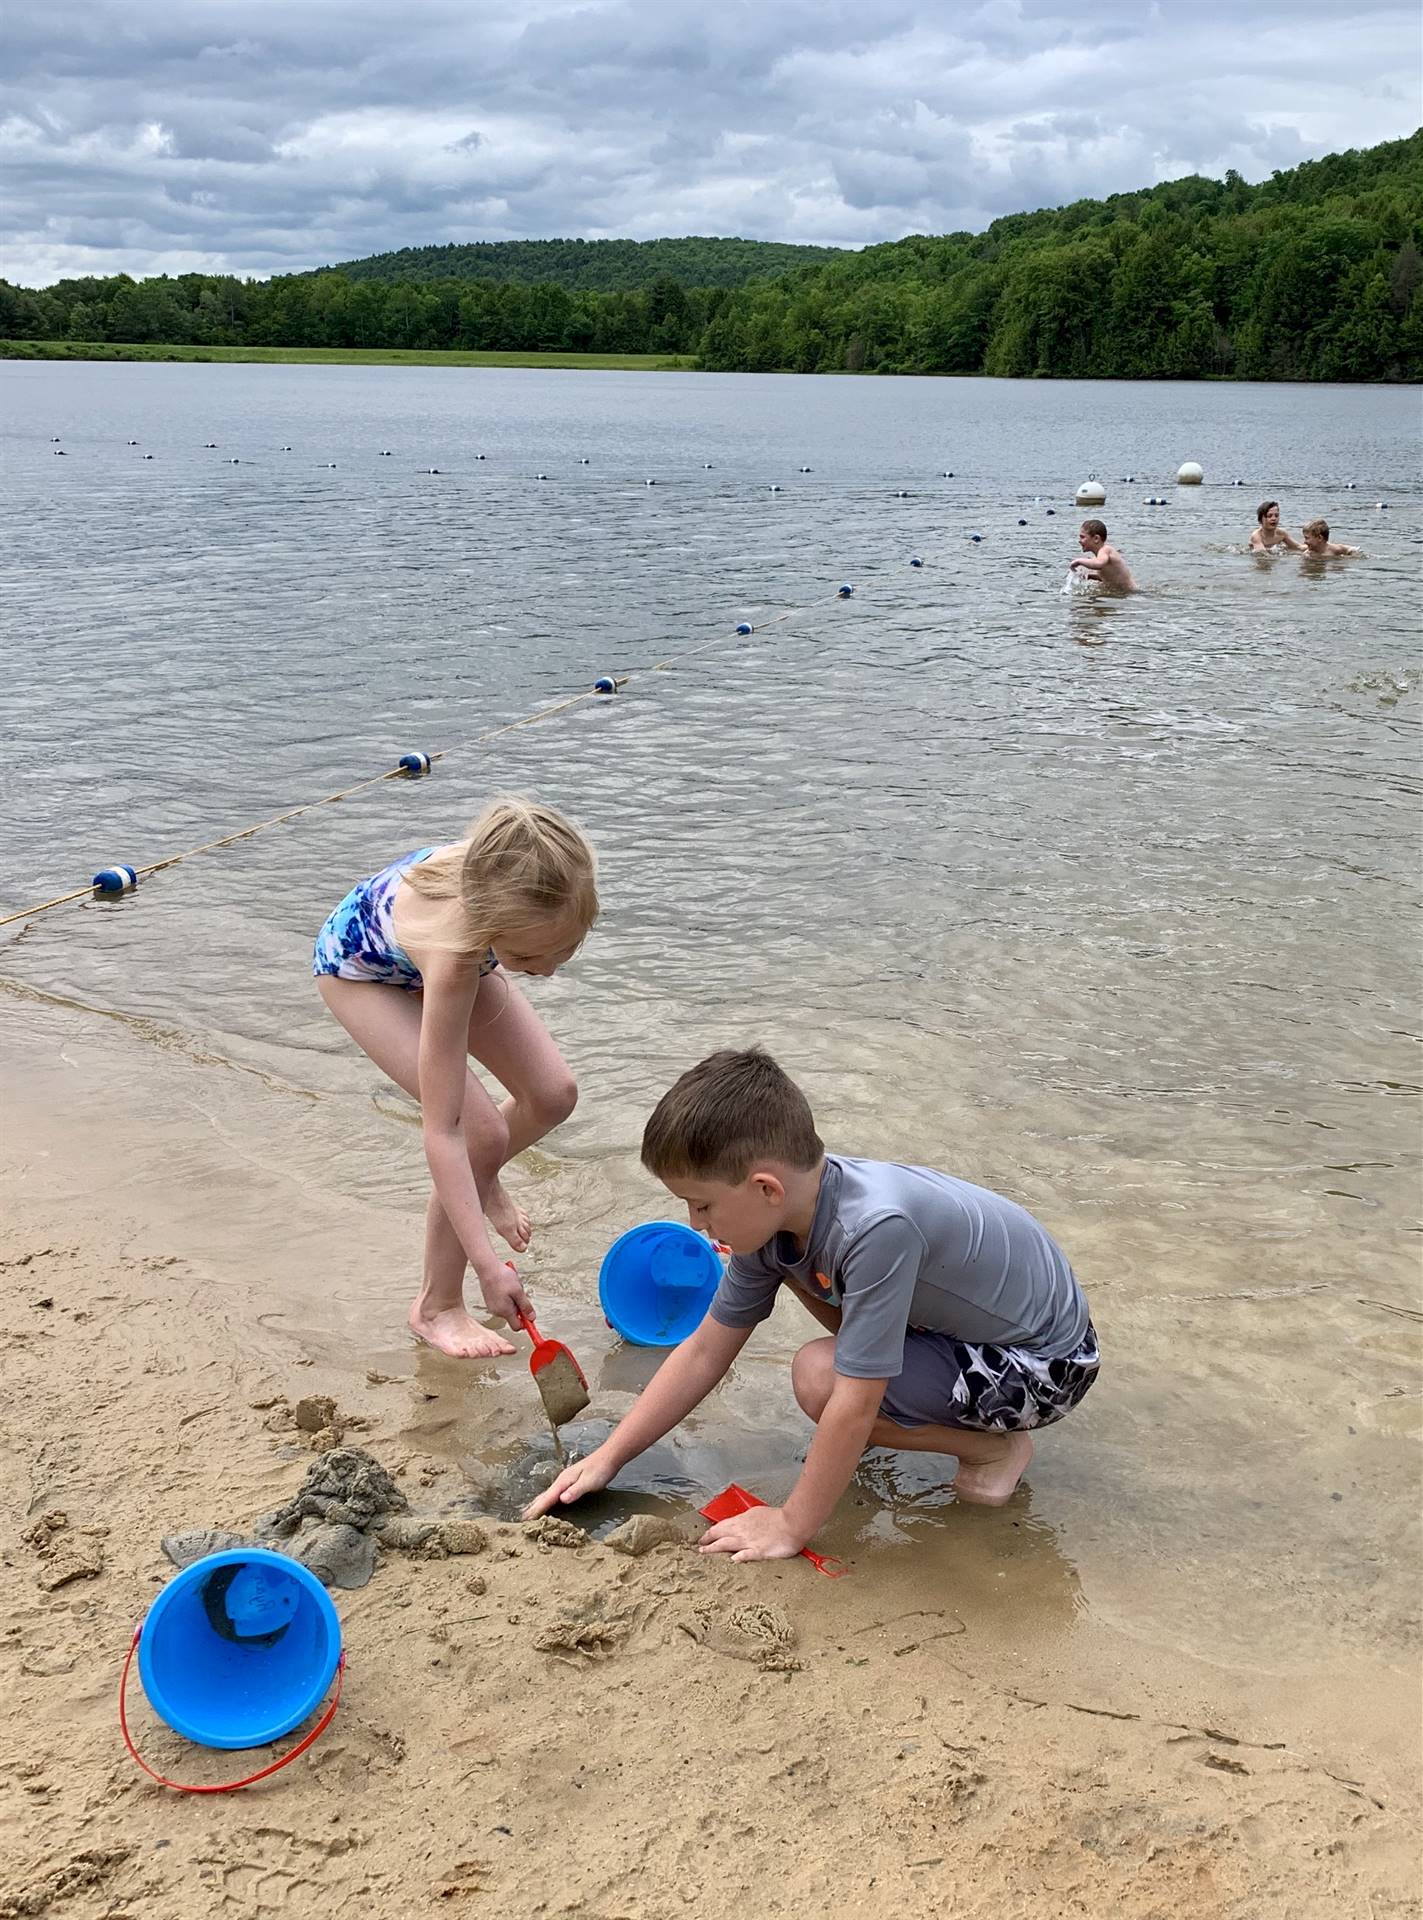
x=452 y=1331
x=991 y=1483
x=510 y=1222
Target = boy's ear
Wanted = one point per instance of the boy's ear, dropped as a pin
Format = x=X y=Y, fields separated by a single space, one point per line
x=768 y=1186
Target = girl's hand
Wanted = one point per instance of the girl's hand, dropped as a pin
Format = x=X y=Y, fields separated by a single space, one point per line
x=504 y=1295
x=584 y=1476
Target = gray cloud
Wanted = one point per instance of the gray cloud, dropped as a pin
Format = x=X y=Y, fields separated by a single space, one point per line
x=265 y=138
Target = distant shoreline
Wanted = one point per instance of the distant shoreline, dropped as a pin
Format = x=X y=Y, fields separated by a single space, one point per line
x=342 y=356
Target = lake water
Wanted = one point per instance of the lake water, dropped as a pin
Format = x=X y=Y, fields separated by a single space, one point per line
x=1111 y=904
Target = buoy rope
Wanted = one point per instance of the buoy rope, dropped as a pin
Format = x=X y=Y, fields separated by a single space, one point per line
x=401 y=773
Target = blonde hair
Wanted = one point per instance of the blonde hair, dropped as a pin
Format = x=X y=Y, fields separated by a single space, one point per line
x=518 y=863
x=727 y=1114
x=1320 y=528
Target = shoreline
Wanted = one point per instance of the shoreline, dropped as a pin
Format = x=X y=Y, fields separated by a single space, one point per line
x=920 y=1745
x=150 y=354
x=98 y=350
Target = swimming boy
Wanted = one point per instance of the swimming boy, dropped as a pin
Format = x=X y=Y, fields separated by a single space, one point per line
x=1316 y=540
x=1269 y=534
x=953 y=1322
x=1100 y=558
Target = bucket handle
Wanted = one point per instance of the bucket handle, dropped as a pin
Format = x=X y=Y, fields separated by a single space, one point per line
x=227 y=1786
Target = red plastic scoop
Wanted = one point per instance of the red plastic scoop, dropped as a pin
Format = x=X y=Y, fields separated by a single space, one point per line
x=557 y=1375
x=734 y=1500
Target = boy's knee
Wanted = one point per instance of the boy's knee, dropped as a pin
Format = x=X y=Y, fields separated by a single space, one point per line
x=813 y=1376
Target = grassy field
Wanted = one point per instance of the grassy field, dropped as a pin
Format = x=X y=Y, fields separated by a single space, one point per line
x=338 y=356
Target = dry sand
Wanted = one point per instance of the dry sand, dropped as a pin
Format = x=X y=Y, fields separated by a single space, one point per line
x=564 y=1730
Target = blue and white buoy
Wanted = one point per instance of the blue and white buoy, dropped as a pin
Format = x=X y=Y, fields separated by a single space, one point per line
x=115 y=880
x=744 y=627
x=846 y=591
x=975 y=537
x=606 y=683
x=649 y=483
x=414 y=765
x=915 y=561
x=1022 y=523
x=773 y=488
x=803 y=469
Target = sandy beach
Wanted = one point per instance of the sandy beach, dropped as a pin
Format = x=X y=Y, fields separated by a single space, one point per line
x=559 y=1730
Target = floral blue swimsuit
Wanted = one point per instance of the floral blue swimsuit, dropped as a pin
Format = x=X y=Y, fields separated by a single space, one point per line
x=358 y=941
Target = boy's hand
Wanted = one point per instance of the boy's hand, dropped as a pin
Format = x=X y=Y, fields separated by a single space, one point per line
x=504 y=1294
x=761 y=1533
x=584 y=1476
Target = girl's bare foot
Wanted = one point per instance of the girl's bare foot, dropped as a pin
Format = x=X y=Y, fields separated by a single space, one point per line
x=451 y=1330
x=991 y=1483
x=510 y=1222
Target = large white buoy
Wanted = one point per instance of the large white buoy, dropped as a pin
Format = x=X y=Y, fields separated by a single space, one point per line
x=1091 y=494
x=1190 y=475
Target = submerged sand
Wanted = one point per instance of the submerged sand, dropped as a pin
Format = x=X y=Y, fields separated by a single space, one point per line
x=549 y=1726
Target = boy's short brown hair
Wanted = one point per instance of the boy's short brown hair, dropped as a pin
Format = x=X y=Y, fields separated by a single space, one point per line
x=726 y=1114
x=1319 y=528
x=1096 y=527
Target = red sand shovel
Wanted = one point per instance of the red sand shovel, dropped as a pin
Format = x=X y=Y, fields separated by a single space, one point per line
x=726 y=1505
x=560 y=1380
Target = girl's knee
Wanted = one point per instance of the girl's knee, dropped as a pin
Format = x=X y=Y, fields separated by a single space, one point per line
x=813 y=1376
x=489 y=1146
x=554 y=1100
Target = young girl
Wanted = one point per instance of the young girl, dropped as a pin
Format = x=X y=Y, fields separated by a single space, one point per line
x=415 y=964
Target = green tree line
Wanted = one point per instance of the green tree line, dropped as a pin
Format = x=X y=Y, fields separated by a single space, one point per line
x=1314 y=274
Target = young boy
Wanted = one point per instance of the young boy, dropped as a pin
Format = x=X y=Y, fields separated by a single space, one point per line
x=954 y=1324
x=1316 y=540
x=1268 y=533
x=1100 y=558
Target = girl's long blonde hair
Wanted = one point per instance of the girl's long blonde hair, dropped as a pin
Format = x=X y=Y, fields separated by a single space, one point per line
x=519 y=863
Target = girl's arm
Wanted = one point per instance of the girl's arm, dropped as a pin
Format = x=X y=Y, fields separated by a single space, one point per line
x=451 y=982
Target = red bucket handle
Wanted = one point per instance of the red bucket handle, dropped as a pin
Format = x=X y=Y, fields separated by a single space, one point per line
x=227 y=1786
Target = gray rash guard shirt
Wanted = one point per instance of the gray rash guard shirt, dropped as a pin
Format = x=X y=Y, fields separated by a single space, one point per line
x=899 y=1247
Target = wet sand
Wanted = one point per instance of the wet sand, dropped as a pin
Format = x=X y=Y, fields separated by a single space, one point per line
x=1177 y=1676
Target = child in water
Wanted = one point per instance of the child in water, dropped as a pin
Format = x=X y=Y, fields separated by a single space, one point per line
x=415 y=964
x=1317 y=541
x=953 y=1322
x=1100 y=560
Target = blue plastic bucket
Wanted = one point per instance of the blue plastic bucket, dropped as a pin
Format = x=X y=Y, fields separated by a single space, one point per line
x=656 y=1283
x=239 y=1648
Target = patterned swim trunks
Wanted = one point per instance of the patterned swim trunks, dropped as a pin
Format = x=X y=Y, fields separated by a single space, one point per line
x=949 y=1383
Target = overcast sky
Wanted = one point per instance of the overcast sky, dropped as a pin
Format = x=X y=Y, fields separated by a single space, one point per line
x=274 y=135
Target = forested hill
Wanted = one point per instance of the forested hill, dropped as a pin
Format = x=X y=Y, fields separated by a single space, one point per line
x=1315 y=274
x=591 y=266
x=1312 y=275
